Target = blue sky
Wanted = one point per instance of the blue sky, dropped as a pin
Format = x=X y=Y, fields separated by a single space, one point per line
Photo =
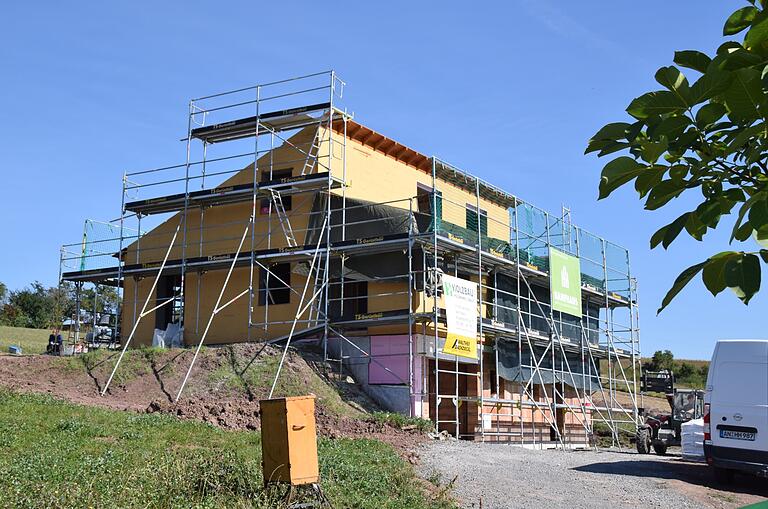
x=512 y=94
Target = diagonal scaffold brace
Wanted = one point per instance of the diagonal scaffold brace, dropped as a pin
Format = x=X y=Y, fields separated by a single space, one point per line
x=301 y=308
x=217 y=308
x=144 y=310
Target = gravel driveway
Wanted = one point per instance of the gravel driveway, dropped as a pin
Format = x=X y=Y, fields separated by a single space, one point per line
x=502 y=476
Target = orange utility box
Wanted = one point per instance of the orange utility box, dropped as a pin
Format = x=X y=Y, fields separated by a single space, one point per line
x=289 y=440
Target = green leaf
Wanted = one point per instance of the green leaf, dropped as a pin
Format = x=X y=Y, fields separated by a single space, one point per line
x=709 y=114
x=740 y=58
x=755 y=39
x=744 y=95
x=692 y=59
x=745 y=134
x=634 y=130
x=739 y=20
x=758 y=214
x=661 y=194
x=743 y=232
x=764 y=255
x=613 y=131
x=652 y=150
x=682 y=280
x=678 y=172
x=670 y=232
x=709 y=212
x=695 y=227
x=656 y=103
x=713 y=274
x=671 y=127
x=724 y=50
x=649 y=178
x=675 y=81
x=742 y=275
x=617 y=173
x=613 y=146
x=761 y=235
x=713 y=82
x=608 y=133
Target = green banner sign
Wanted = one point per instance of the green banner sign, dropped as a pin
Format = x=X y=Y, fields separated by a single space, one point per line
x=565 y=282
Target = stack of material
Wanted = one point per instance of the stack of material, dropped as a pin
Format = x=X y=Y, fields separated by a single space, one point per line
x=693 y=440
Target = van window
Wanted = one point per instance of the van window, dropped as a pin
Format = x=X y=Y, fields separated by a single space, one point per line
x=740 y=383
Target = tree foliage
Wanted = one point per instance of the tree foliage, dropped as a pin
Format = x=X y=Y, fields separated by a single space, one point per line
x=40 y=307
x=686 y=373
x=662 y=360
x=705 y=134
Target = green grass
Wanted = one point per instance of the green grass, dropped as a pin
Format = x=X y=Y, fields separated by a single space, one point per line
x=604 y=436
x=401 y=421
x=30 y=340
x=55 y=454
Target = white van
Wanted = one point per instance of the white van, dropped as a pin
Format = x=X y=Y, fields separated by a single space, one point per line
x=736 y=409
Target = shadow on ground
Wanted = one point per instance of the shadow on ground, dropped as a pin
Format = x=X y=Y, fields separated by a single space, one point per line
x=672 y=468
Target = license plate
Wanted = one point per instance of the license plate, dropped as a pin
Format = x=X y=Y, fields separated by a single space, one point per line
x=737 y=435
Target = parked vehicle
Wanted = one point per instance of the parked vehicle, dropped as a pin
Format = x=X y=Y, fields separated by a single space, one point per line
x=663 y=430
x=736 y=409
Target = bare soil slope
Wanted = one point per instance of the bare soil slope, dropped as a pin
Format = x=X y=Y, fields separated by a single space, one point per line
x=223 y=389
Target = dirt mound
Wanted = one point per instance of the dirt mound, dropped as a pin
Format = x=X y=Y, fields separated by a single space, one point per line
x=224 y=387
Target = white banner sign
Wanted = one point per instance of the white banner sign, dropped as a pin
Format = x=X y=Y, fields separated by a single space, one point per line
x=461 y=315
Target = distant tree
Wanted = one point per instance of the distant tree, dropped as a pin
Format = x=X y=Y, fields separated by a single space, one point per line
x=684 y=370
x=710 y=136
x=3 y=292
x=107 y=300
x=37 y=306
x=661 y=360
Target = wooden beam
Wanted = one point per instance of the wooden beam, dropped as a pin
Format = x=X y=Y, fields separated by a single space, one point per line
x=367 y=136
x=400 y=152
x=375 y=145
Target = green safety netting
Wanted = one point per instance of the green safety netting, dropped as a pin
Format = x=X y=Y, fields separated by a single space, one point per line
x=101 y=243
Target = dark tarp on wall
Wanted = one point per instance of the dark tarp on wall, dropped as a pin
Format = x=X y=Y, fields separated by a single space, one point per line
x=511 y=368
x=364 y=220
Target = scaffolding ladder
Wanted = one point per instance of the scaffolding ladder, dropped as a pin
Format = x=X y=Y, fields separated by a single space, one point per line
x=285 y=222
x=312 y=154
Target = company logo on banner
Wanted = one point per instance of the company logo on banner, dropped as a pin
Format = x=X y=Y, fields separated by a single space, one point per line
x=565 y=282
x=461 y=314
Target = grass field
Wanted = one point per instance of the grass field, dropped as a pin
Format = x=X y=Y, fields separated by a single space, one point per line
x=30 y=340
x=55 y=454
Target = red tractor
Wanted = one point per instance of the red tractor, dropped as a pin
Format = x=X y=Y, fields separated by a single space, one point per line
x=661 y=431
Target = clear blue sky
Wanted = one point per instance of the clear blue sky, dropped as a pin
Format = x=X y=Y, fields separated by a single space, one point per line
x=90 y=89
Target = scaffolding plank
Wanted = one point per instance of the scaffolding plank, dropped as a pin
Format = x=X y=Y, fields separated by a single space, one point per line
x=233 y=194
x=244 y=127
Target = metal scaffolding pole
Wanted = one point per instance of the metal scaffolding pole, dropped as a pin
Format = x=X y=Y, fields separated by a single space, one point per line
x=144 y=311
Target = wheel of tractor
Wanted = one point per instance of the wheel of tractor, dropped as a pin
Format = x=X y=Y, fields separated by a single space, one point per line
x=643 y=441
x=723 y=475
x=659 y=447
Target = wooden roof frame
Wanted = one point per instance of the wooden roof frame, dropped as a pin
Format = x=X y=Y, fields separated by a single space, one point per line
x=408 y=156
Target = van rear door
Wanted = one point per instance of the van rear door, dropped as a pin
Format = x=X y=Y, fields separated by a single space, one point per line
x=739 y=397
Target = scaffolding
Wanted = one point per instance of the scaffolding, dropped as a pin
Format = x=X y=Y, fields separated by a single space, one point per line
x=541 y=377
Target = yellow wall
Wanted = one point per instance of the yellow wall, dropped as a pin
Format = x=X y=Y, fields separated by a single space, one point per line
x=376 y=177
x=370 y=176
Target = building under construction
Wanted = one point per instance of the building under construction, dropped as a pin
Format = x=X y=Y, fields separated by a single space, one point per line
x=291 y=222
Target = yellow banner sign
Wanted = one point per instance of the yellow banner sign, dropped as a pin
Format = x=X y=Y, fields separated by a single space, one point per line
x=461 y=346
